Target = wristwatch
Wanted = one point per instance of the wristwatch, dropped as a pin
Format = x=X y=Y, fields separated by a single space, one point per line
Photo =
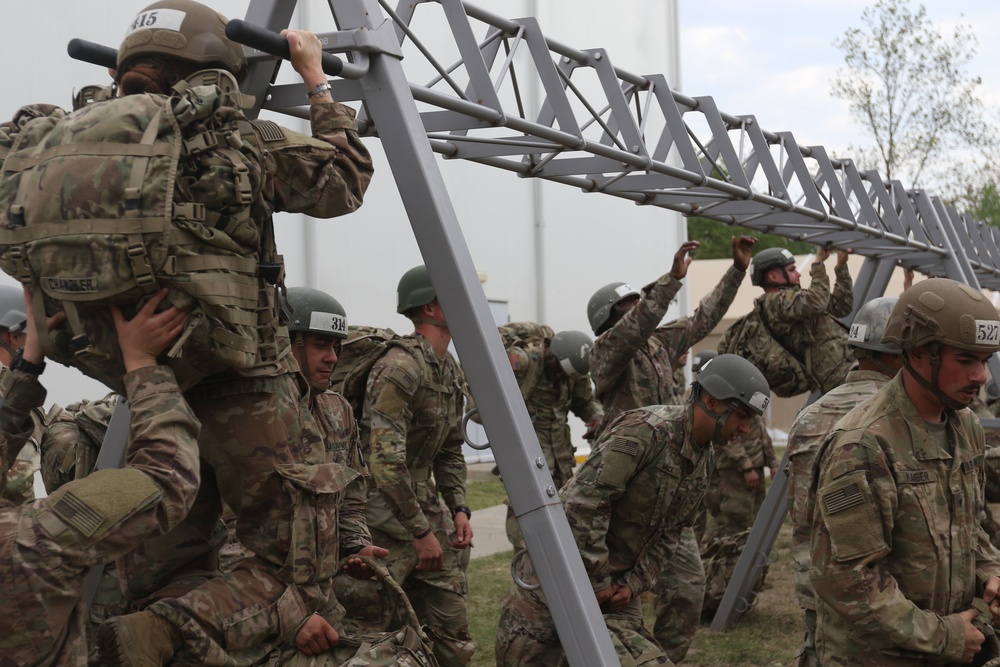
x=19 y=363
x=462 y=508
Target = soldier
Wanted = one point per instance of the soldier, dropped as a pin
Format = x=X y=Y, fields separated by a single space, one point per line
x=221 y=607
x=260 y=443
x=878 y=362
x=804 y=321
x=736 y=491
x=20 y=471
x=630 y=362
x=411 y=432
x=898 y=553
x=626 y=505
x=49 y=544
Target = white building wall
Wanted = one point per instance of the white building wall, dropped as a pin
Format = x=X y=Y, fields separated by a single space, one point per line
x=544 y=248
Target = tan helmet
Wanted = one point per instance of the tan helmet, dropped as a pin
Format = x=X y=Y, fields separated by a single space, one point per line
x=941 y=310
x=182 y=30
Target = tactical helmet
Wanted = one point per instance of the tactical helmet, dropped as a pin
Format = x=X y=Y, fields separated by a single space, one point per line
x=869 y=326
x=729 y=377
x=415 y=289
x=572 y=349
x=12 y=317
x=604 y=299
x=702 y=358
x=182 y=30
x=314 y=311
x=943 y=311
x=767 y=259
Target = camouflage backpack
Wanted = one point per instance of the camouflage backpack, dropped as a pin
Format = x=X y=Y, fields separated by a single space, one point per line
x=364 y=346
x=526 y=335
x=751 y=338
x=380 y=627
x=719 y=558
x=112 y=202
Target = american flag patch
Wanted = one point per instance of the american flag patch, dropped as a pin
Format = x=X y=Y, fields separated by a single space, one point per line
x=841 y=499
x=629 y=447
x=77 y=513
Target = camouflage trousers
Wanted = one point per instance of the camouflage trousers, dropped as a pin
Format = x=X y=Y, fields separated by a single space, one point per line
x=680 y=592
x=731 y=506
x=437 y=596
x=526 y=634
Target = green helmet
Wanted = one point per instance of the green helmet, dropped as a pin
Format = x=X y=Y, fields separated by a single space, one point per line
x=415 y=289
x=182 y=30
x=702 y=358
x=767 y=259
x=572 y=349
x=314 y=311
x=944 y=311
x=869 y=326
x=12 y=317
x=733 y=378
x=604 y=299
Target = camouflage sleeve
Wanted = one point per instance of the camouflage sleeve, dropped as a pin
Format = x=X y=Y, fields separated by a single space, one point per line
x=706 y=316
x=352 y=526
x=643 y=576
x=450 y=469
x=589 y=496
x=614 y=349
x=770 y=460
x=22 y=393
x=582 y=401
x=392 y=383
x=855 y=510
x=802 y=304
x=987 y=555
x=842 y=301
x=325 y=175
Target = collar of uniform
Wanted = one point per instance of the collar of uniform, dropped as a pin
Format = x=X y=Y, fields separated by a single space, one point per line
x=924 y=448
x=866 y=376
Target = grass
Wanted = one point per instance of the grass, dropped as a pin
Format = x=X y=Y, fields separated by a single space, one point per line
x=769 y=635
x=482 y=494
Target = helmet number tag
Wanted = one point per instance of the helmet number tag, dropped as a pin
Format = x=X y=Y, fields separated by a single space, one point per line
x=987 y=332
x=332 y=322
x=858 y=332
x=759 y=401
x=161 y=19
x=624 y=289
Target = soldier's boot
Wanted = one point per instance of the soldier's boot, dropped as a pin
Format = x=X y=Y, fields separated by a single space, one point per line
x=142 y=639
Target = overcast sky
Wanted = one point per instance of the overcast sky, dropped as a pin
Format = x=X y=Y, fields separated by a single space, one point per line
x=775 y=59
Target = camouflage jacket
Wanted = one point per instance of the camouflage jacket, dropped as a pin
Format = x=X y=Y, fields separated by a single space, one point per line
x=335 y=420
x=629 y=500
x=48 y=545
x=805 y=322
x=810 y=428
x=631 y=362
x=897 y=547
x=748 y=452
x=413 y=418
x=17 y=484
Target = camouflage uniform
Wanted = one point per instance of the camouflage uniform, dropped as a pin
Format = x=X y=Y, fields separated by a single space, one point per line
x=626 y=505
x=804 y=320
x=630 y=363
x=411 y=430
x=810 y=429
x=732 y=506
x=50 y=543
x=897 y=549
x=240 y=617
x=260 y=444
x=20 y=483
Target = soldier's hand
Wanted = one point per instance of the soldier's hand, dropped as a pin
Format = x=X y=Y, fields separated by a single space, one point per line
x=973 y=637
x=463 y=532
x=743 y=251
x=822 y=254
x=842 y=255
x=907 y=278
x=751 y=479
x=316 y=636
x=603 y=596
x=429 y=553
x=32 y=346
x=774 y=472
x=991 y=595
x=682 y=259
x=593 y=426
x=357 y=568
x=306 y=53
x=146 y=335
x=621 y=597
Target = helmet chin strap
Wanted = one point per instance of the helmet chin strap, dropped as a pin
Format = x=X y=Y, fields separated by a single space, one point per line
x=304 y=365
x=932 y=385
x=720 y=418
x=427 y=320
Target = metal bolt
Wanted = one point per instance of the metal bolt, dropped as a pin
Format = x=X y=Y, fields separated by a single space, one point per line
x=635 y=149
x=565 y=59
x=550 y=491
x=597 y=56
x=540 y=462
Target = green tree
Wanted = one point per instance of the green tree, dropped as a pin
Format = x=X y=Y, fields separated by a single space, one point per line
x=716 y=239
x=907 y=85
